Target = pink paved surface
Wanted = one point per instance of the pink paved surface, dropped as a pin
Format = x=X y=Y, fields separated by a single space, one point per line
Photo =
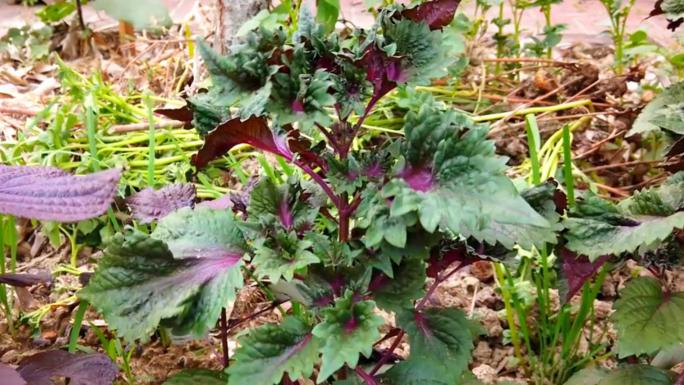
x=586 y=19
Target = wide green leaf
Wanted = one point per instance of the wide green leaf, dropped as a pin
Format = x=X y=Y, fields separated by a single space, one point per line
x=441 y=343
x=327 y=12
x=651 y=117
x=669 y=357
x=588 y=376
x=200 y=232
x=648 y=319
x=198 y=376
x=408 y=285
x=597 y=227
x=139 y=284
x=268 y=352
x=142 y=14
x=637 y=375
x=594 y=238
x=282 y=258
x=349 y=328
x=628 y=375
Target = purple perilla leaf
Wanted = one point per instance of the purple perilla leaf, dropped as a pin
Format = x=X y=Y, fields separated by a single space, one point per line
x=150 y=204
x=576 y=270
x=81 y=369
x=221 y=203
x=437 y=14
x=10 y=376
x=253 y=131
x=384 y=73
x=181 y=114
x=50 y=194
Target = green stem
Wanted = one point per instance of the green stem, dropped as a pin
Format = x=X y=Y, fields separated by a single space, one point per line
x=151 y=143
x=4 y=298
x=567 y=166
x=76 y=328
x=506 y=296
x=547 y=19
x=532 y=110
x=533 y=139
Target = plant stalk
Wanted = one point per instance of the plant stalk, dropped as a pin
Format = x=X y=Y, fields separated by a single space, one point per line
x=224 y=338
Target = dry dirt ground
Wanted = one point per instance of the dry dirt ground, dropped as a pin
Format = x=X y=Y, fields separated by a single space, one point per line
x=473 y=290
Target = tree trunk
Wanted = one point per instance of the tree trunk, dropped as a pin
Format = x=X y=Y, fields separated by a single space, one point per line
x=231 y=15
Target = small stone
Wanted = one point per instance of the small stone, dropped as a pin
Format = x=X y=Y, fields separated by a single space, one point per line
x=485 y=373
x=490 y=321
x=483 y=352
x=482 y=270
x=9 y=357
x=50 y=335
x=602 y=309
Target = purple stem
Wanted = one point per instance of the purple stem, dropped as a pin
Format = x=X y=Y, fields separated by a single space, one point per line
x=329 y=136
x=680 y=379
x=318 y=179
x=224 y=338
x=434 y=285
x=367 y=378
x=388 y=353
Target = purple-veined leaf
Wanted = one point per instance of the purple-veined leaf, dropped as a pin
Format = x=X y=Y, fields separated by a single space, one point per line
x=181 y=279
x=453 y=179
x=150 y=204
x=10 y=376
x=269 y=352
x=647 y=317
x=25 y=280
x=50 y=194
x=418 y=178
x=81 y=369
x=437 y=13
x=253 y=131
x=441 y=343
x=348 y=329
x=576 y=271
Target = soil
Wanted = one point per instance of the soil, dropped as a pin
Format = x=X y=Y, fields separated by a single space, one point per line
x=25 y=88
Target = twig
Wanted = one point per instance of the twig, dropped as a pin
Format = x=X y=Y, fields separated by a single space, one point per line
x=613 y=190
x=596 y=146
x=79 y=12
x=528 y=60
x=563 y=117
x=647 y=182
x=18 y=111
x=630 y=163
x=142 y=126
x=542 y=97
x=272 y=306
x=532 y=110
